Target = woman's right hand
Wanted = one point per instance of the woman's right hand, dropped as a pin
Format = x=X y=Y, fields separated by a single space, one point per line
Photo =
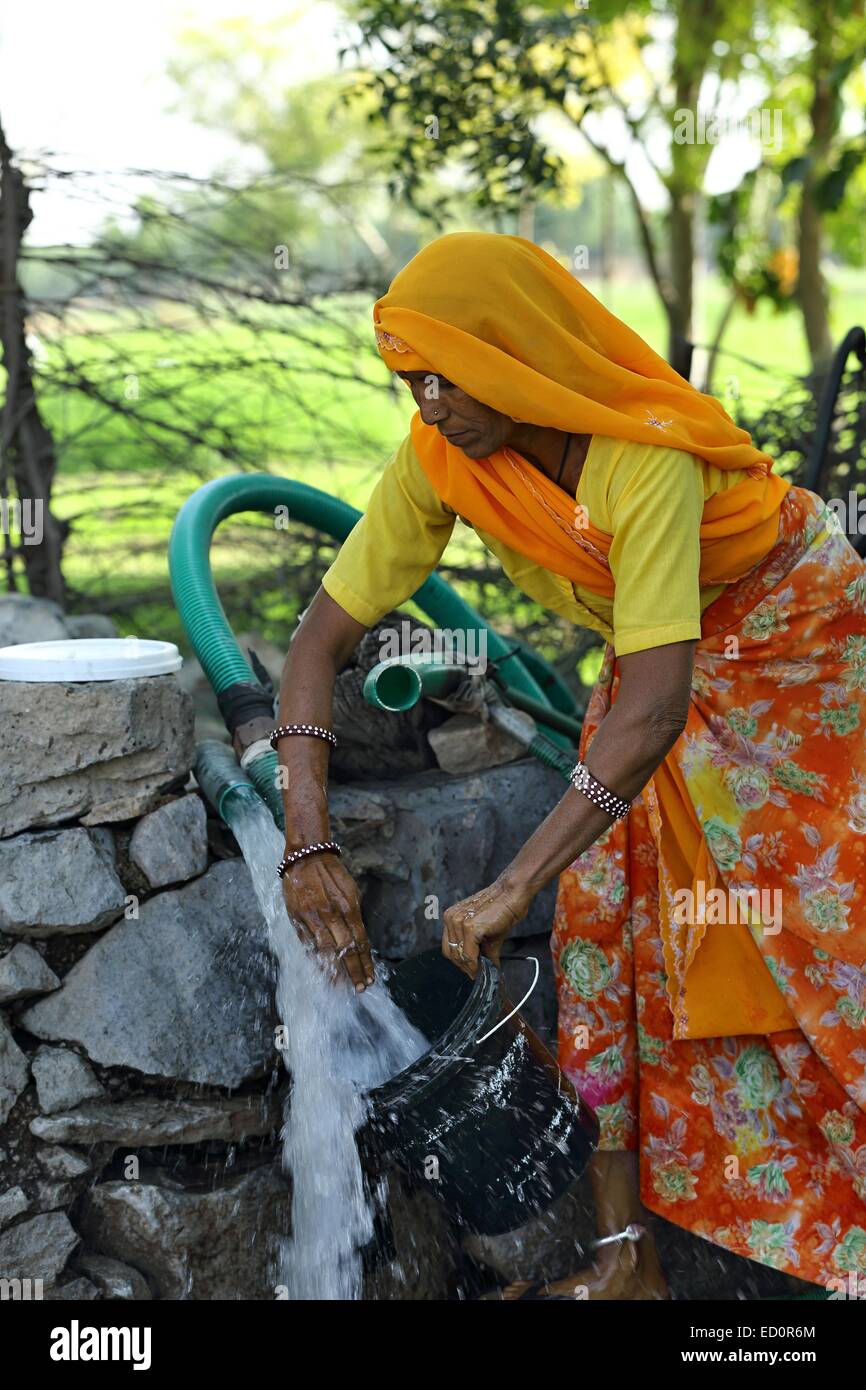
x=323 y=901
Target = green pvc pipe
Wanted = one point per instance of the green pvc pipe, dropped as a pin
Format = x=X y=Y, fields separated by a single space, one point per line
x=204 y=619
x=221 y=778
x=398 y=684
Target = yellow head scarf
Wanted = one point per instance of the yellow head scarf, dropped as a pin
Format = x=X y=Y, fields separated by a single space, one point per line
x=510 y=326
x=505 y=322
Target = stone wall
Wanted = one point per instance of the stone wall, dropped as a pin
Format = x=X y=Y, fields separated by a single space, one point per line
x=141 y=1094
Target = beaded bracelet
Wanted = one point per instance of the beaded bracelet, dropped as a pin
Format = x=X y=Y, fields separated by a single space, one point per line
x=321 y=847
x=312 y=730
x=583 y=781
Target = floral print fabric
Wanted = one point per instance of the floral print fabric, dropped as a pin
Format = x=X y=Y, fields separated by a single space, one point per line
x=756 y=1142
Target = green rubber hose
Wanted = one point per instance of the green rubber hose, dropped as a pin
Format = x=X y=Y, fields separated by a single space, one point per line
x=204 y=619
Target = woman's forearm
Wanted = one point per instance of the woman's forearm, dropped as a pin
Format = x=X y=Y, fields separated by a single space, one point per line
x=321 y=897
x=325 y=639
x=626 y=750
x=306 y=697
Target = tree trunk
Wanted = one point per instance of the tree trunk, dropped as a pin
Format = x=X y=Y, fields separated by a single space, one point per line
x=526 y=218
x=696 y=26
x=681 y=222
x=715 y=345
x=812 y=287
x=27 y=456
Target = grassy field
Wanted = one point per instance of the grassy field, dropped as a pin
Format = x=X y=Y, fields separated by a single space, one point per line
x=171 y=404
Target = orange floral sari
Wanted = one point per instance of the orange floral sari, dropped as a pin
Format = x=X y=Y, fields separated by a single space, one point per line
x=756 y=1141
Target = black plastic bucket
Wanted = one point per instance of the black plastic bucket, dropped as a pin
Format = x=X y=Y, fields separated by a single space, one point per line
x=485 y=1117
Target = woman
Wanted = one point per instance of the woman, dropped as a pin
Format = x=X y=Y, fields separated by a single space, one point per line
x=720 y=1038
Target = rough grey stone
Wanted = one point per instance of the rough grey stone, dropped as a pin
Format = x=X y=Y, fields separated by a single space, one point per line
x=63 y=1079
x=26 y=619
x=195 y=1245
x=186 y=991
x=23 y=972
x=420 y=845
x=155 y=1122
x=114 y=1279
x=13 y=1202
x=58 y=881
x=62 y=1163
x=14 y=1070
x=51 y=1196
x=426 y=1248
x=97 y=751
x=76 y=1291
x=170 y=844
x=84 y=625
x=38 y=1248
x=463 y=744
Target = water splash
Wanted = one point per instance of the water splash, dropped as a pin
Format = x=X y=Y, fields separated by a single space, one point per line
x=338 y=1045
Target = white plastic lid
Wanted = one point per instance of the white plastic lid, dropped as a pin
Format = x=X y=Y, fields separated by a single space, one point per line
x=88 y=659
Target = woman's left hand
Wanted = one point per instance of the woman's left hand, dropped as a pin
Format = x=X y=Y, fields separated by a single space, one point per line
x=479 y=925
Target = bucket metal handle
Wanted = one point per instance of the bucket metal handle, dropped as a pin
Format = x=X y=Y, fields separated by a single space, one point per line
x=519 y=1006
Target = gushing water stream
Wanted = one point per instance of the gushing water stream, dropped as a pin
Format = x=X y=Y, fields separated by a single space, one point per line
x=337 y=1046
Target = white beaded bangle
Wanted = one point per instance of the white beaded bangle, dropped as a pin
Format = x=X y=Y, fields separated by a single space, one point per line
x=595 y=791
x=321 y=847
x=311 y=730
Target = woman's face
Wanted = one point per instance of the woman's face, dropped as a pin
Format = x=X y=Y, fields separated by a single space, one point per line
x=477 y=429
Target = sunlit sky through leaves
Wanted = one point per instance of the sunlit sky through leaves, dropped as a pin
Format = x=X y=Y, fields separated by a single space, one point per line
x=88 y=82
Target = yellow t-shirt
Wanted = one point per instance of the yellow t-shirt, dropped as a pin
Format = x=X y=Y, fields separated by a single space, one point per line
x=649 y=499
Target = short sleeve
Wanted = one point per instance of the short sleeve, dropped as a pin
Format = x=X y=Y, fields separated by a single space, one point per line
x=655 y=500
x=395 y=546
